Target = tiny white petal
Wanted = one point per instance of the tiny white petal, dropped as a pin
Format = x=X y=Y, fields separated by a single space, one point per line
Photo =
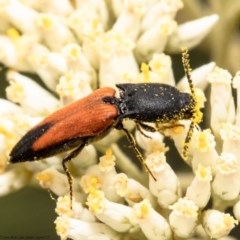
x=155 y=39
x=30 y=95
x=128 y=22
x=54 y=31
x=115 y=50
x=191 y=33
x=48 y=65
x=158 y=9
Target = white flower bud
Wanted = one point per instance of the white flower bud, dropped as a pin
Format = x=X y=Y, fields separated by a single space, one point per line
x=115 y=215
x=159 y=9
x=155 y=38
x=217 y=224
x=199 y=77
x=70 y=228
x=199 y=190
x=115 y=50
x=55 y=33
x=222 y=105
x=204 y=150
x=132 y=191
x=236 y=210
x=236 y=85
x=153 y=225
x=128 y=22
x=230 y=135
x=166 y=187
x=184 y=218
x=30 y=95
x=22 y=17
x=226 y=183
x=53 y=180
x=191 y=33
x=48 y=65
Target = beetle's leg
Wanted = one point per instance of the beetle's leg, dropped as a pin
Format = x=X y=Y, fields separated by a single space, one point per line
x=132 y=141
x=161 y=127
x=66 y=159
x=146 y=127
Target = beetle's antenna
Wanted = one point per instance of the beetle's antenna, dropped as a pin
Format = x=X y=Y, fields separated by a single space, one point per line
x=138 y=153
x=197 y=115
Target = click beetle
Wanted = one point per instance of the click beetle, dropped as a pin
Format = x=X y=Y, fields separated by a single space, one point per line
x=92 y=117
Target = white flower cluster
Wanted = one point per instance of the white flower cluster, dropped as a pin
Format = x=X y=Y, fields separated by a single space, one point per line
x=78 y=46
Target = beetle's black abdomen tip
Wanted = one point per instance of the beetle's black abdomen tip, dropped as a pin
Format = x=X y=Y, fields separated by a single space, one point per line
x=22 y=151
x=21 y=154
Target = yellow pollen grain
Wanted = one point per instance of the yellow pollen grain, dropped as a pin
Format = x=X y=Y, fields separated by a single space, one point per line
x=177 y=129
x=95 y=23
x=144 y=210
x=145 y=72
x=13 y=33
x=204 y=173
x=109 y=154
x=47 y=22
x=62 y=227
x=107 y=161
x=90 y=183
x=94 y=182
x=202 y=141
x=95 y=201
x=45 y=179
x=229 y=220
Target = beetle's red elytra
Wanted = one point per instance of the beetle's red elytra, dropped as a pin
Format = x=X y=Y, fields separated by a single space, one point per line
x=90 y=118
